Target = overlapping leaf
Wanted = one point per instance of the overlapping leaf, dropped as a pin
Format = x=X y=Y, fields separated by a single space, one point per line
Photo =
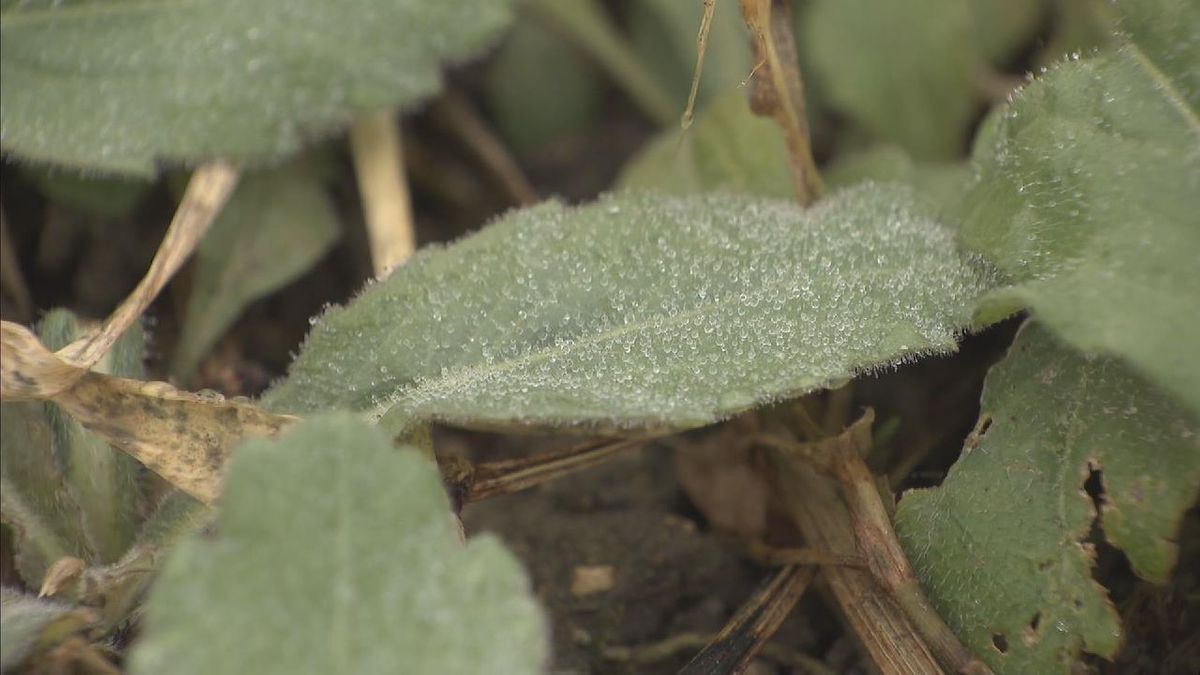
x=1088 y=193
x=30 y=625
x=728 y=148
x=115 y=86
x=904 y=70
x=1000 y=545
x=276 y=225
x=392 y=590
x=64 y=490
x=642 y=310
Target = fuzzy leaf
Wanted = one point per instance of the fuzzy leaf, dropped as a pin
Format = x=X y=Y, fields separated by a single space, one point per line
x=392 y=590
x=115 y=86
x=1000 y=546
x=939 y=183
x=102 y=481
x=30 y=625
x=642 y=310
x=727 y=148
x=33 y=496
x=275 y=227
x=1087 y=197
x=904 y=69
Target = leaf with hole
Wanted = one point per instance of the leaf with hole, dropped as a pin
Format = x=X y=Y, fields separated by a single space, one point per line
x=1088 y=193
x=643 y=310
x=1001 y=547
x=118 y=86
x=392 y=589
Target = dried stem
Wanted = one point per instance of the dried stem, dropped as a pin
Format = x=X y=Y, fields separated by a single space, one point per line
x=383 y=187
x=885 y=606
x=744 y=636
x=778 y=89
x=479 y=139
x=476 y=482
x=207 y=191
x=710 y=7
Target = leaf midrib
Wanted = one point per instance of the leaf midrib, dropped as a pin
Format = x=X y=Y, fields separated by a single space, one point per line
x=472 y=373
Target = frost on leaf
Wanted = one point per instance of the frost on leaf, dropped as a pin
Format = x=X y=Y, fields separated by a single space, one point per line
x=643 y=310
x=1087 y=195
x=391 y=589
x=1001 y=546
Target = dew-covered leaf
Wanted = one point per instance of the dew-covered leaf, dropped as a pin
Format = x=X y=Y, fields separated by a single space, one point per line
x=904 y=70
x=727 y=148
x=1001 y=545
x=540 y=89
x=941 y=184
x=643 y=310
x=1087 y=198
x=115 y=86
x=392 y=590
x=277 y=225
x=30 y=625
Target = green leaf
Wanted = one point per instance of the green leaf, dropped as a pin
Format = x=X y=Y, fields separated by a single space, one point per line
x=102 y=481
x=941 y=184
x=33 y=496
x=1000 y=546
x=541 y=90
x=642 y=310
x=904 y=70
x=727 y=148
x=276 y=226
x=66 y=491
x=115 y=85
x=30 y=625
x=1088 y=196
x=391 y=589
x=664 y=33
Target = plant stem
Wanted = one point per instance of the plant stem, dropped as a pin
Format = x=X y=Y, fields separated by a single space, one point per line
x=207 y=191
x=585 y=24
x=885 y=606
x=379 y=164
x=778 y=89
x=475 y=482
x=744 y=636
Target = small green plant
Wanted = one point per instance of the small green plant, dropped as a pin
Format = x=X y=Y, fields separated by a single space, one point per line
x=311 y=530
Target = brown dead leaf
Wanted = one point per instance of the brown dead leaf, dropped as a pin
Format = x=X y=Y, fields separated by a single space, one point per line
x=181 y=436
x=724 y=480
x=62 y=572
